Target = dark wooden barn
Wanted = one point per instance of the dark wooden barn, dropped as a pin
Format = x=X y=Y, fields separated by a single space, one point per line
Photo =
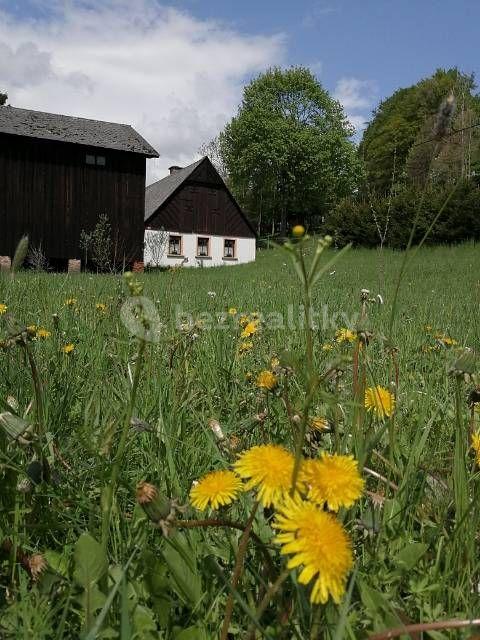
x=204 y=223
x=59 y=174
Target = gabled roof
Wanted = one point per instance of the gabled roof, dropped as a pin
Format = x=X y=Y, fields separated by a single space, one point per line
x=158 y=192
x=93 y=133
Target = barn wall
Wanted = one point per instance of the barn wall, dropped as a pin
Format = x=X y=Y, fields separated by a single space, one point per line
x=204 y=209
x=49 y=192
x=156 y=250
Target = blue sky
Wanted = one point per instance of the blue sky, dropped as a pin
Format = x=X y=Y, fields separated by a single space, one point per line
x=187 y=60
x=390 y=43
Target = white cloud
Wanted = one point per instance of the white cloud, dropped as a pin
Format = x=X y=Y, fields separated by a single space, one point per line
x=175 y=78
x=355 y=96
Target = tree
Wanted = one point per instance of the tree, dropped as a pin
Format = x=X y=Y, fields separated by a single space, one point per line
x=402 y=137
x=3 y=98
x=288 y=151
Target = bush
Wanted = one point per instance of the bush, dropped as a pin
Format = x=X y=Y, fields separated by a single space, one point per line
x=354 y=220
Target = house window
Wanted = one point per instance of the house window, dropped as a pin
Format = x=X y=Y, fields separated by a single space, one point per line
x=100 y=161
x=174 y=245
x=229 y=249
x=203 y=247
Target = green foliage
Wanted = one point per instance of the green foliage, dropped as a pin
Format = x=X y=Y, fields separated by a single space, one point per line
x=416 y=559
x=362 y=221
x=3 y=98
x=408 y=117
x=287 y=152
x=98 y=244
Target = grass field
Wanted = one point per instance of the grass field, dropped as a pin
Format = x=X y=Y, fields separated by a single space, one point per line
x=414 y=531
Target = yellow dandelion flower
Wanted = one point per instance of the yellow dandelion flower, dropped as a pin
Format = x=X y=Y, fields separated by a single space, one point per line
x=333 y=480
x=298 y=231
x=317 y=423
x=249 y=329
x=379 y=401
x=447 y=341
x=345 y=335
x=32 y=329
x=101 y=307
x=70 y=302
x=269 y=469
x=43 y=333
x=232 y=311
x=318 y=543
x=476 y=447
x=216 y=489
x=245 y=346
x=3 y=309
x=327 y=346
x=267 y=380
x=68 y=348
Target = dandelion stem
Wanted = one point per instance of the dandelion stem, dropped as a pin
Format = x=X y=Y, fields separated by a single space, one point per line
x=237 y=571
x=110 y=489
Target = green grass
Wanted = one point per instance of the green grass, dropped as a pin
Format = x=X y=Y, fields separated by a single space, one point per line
x=187 y=381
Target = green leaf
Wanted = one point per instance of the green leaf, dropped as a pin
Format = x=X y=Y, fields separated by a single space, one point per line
x=90 y=566
x=192 y=633
x=90 y=561
x=187 y=582
x=408 y=557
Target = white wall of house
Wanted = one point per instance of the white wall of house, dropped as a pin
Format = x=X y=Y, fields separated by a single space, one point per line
x=158 y=244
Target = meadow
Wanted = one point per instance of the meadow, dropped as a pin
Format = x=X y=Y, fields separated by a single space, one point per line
x=104 y=432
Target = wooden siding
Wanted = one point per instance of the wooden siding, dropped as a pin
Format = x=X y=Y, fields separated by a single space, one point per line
x=202 y=205
x=49 y=192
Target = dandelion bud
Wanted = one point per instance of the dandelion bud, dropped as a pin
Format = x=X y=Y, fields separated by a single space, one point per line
x=24 y=486
x=298 y=231
x=216 y=428
x=37 y=565
x=55 y=320
x=155 y=505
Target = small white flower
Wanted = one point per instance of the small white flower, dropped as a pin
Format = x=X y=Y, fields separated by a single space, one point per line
x=211 y=294
x=332 y=273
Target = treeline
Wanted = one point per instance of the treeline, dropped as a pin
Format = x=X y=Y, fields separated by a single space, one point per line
x=288 y=157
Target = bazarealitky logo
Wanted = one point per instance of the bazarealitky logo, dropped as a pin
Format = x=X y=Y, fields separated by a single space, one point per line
x=140 y=317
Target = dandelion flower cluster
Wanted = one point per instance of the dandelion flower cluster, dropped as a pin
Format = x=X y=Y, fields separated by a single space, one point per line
x=249 y=329
x=216 y=489
x=476 y=447
x=333 y=480
x=316 y=541
x=345 y=335
x=318 y=423
x=267 y=468
x=266 y=380
x=379 y=401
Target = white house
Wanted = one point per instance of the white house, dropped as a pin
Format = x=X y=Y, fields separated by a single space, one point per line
x=192 y=219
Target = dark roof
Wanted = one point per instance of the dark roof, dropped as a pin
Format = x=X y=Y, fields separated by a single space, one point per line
x=158 y=192
x=93 y=133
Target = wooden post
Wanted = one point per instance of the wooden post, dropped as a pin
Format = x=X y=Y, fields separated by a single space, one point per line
x=74 y=266
x=5 y=263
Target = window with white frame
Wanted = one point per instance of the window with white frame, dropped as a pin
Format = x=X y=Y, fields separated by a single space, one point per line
x=229 y=248
x=203 y=247
x=174 y=245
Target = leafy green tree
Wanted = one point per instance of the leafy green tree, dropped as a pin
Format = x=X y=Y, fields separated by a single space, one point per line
x=402 y=137
x=3 y=98
x=288 y=152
